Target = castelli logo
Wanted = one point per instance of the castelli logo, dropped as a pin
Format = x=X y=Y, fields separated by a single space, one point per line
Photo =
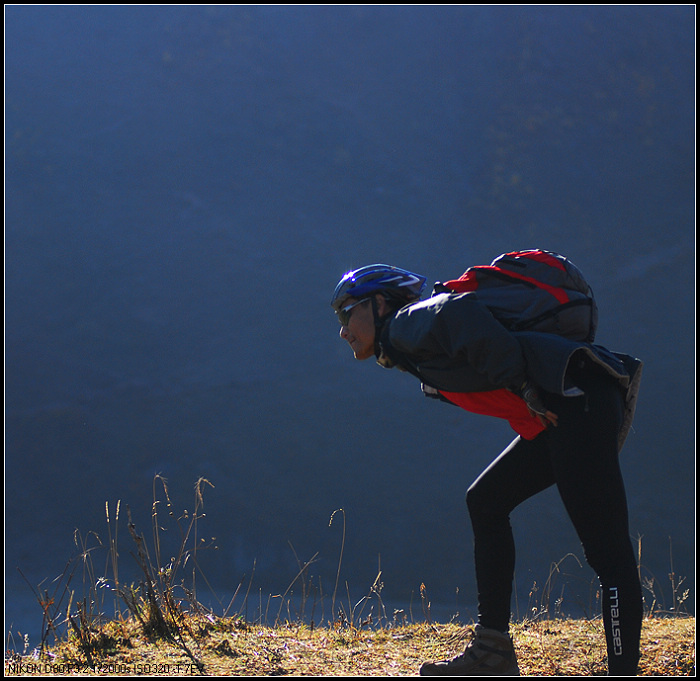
x=615 y=621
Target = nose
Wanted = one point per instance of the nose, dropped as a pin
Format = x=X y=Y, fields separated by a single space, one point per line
x=344 y=332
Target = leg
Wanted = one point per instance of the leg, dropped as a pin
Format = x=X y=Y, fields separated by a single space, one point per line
x=585 y=463
x=521 y=471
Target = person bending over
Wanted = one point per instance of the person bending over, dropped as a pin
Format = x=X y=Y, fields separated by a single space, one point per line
x=571 y=404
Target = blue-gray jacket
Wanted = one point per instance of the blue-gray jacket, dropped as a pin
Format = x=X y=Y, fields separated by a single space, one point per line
x=452 y=342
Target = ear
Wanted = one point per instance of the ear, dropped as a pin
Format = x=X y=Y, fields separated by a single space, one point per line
x=382 y=306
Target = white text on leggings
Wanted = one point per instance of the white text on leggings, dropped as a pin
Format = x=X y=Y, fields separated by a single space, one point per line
x=615 y=620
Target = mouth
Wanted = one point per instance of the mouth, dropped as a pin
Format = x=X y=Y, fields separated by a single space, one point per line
x=354 y=346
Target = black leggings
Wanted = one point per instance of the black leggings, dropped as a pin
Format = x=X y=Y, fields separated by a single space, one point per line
x=580 y=456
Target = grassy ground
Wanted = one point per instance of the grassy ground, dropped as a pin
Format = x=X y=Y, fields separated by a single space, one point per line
x=161 y=634
x=230 y=647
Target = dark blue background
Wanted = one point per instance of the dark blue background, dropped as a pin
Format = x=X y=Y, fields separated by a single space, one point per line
x=184 y=187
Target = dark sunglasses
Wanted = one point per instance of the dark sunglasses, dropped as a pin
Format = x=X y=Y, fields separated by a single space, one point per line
x=345 y=313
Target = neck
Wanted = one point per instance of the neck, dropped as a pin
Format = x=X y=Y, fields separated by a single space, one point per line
x=379 y=326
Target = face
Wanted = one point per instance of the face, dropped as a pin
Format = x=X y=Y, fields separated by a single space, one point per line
x=359 y=330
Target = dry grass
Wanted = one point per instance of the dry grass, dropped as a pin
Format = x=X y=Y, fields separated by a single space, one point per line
x=230 y=647
x=164 y=634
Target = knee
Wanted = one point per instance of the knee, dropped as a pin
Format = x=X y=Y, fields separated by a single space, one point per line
x=612 y=561
x=480 y=503
x=472 y=499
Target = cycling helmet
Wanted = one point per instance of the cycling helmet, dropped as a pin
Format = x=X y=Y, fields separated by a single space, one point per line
x=395 y=283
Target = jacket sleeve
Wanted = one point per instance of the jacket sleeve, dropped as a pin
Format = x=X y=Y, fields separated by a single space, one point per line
x=458 y=329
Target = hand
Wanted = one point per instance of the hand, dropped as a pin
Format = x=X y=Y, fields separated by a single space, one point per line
x=546 y=418
x=536 y=407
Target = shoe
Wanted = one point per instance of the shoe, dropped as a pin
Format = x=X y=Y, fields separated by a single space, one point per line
x=489 y=653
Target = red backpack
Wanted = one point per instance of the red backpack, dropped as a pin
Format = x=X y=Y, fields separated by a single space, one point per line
x=533 y=291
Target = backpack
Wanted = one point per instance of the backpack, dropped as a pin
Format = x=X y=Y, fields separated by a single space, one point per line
x=533 y=290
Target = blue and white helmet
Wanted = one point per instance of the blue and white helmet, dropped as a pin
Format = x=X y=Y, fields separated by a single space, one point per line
x=393 y=282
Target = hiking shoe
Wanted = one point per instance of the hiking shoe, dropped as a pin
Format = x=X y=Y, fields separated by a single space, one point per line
x=489 y=653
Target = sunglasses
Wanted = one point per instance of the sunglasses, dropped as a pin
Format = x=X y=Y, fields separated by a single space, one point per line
x=345 y=313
